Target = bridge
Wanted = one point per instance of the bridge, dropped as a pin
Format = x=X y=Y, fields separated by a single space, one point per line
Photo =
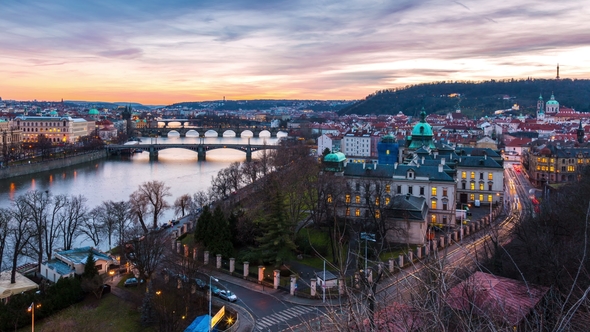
x=201 y=148
x=200 y=131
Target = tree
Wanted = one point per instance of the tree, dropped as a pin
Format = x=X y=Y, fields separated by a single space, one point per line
x=72 y=217
x=118 y=218
x=5 y=218
x=91 y=280
x=219 y=230
x=276 y=244
x=153 y=194
x=149 y=252
x=54 y=224
x=203 y=227
x=138 y=206
x=37 y=203
x=182 y=205
x=19 y=233
x=90 y=269
x=91 y=227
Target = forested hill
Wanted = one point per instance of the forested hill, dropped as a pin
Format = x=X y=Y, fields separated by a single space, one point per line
x=475 y=99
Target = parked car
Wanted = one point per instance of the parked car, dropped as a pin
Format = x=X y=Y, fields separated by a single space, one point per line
x=106 y=288
x=200 y=283
x=131 y=282
x=214 y=290
x=228 y=296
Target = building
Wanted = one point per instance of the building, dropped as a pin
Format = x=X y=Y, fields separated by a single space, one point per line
x=9 y=135
x=57 y=129
x=22 y=284
x=357 y=146
x=550 y=164
x=68 y=263
x=480 y=179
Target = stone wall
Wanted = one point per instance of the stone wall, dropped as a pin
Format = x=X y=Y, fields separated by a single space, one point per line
x=44 y=166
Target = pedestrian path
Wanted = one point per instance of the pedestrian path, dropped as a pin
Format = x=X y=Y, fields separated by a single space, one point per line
x=281 y=317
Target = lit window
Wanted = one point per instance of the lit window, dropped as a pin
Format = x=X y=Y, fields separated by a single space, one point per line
x=481 y=186
x=570 y=168
x=472 y=186
x=357 y=212
x=357 y=199
x=347 y=212
x=377 y=200
x=377 y=214
x=472 y=197
x=472 y=175
x=347 y=199
x=433 y=191
x=433 y=204
x=481 y=197
x=490 y=176
x=463 y=175
x=387 y=188
x=433 y=219
x=387 y=200
x=489 y=198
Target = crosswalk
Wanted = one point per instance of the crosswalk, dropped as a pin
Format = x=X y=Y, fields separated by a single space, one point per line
x=281 y=317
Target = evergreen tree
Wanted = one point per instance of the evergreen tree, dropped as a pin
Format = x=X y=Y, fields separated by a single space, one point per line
x=90 y=269
x=219 y=228
x=201 y=229
x=276 y=245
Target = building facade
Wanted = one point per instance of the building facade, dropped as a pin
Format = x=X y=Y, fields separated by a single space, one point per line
x=56 y=129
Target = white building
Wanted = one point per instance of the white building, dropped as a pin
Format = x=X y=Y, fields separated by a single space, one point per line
x=68 y=263
x=57 y=129
x=357 y=145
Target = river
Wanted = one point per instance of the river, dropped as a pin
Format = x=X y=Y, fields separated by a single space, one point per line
x=116 y=178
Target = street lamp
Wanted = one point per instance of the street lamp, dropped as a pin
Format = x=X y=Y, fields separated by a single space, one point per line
x=210 y=299
x=367 y=237
x=32 y=311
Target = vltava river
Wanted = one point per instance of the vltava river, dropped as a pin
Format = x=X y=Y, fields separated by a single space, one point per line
x=115 y=179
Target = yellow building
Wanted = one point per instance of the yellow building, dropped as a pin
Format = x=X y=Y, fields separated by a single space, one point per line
x=56 y=129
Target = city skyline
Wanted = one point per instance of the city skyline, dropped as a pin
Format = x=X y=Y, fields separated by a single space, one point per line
x=161 y=53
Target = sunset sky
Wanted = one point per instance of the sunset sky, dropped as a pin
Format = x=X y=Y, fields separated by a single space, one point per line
x=161 y=52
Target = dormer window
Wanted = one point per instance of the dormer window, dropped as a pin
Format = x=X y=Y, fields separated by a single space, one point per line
x=410 y=174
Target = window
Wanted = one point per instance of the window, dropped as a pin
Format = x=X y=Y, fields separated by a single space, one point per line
x=570 y=168
x=445 y=220
x=472 y=175
x=433 y=191
x=347 y=212
x=433 y=204
x=472 y=197
x=463 y=175
x=399 y=189
x=357 y=199
x=358 y=186
x=377 y=200
x=489 y=186
x=489 y=198
x=357 y=212
x=99 y=267
x=481 y=186
x=445 y=206
x=481 y=197
x=388 y=188
x=481 y=175
x=421 y=191
x=445 y=191
x=433 y=218
x=472 y=186
x=463 y=185
x=377 y=214
x=563 y=168
x=490 y=176
x=387 y=200
x=347 y=199
x=410 y=190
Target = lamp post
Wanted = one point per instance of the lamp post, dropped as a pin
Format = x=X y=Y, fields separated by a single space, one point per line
x=367 y=237
x=210 y=299
x=32 y=310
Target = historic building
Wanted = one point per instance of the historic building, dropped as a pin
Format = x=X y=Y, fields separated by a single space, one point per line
x=550 y=164
x=57 y=129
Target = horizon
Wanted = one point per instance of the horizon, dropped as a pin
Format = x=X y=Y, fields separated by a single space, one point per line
x=181 y=51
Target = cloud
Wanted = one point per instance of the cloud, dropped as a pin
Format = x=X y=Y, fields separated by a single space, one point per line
x=128 y=53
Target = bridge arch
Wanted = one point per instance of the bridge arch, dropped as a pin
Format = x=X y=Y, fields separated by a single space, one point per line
x=173 y=133
x=264 y=133
x=282 y=134
x=211 y=133
x=192 y=133
x=229 y=133
x=247 y=133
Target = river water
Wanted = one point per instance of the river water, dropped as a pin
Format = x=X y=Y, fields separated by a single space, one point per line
x=116 y=178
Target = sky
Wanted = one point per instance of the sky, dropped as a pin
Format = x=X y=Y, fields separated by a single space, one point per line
x=162 y=52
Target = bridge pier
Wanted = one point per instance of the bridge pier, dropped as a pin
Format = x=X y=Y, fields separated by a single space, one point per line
x=248 y=153
x=201 y=153
x=153 y=153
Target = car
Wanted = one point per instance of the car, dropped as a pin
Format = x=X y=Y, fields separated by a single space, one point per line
x=131 y=282
x=106 y=288
x=228 y=296
x=200 y=283
x=214 y=290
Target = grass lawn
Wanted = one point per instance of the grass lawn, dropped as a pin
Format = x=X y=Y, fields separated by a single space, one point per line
x=107 y=314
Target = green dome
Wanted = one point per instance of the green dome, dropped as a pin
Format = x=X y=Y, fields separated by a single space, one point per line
x=53 y=113
x=552 y=101
x=422 y=128
x=389 y=138
x=93 y=111
x=335 y=157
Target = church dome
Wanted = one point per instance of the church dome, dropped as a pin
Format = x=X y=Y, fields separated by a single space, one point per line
x=389 y=138
x=422 y=128
x=552 y=101
x=335 y=157
x=53 y=113
x=93 y=111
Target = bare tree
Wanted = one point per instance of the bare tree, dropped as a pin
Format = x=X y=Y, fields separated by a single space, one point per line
x=53 y=225
x=92 y=226
x=118 y=218
x=19 y=232
x=4 y=221
x=38 y=204
x=149 y=253
x=154 y=195
x=235 y=176
x=139 y=209
x=182 y=205
x=73 y=215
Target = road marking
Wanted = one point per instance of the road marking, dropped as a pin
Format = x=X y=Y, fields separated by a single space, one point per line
x=282 y=316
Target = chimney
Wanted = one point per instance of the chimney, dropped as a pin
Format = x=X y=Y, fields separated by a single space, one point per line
x=442 y=161
x=407 y=196
x=422 y=160
x=440 y=168
x=395 y=166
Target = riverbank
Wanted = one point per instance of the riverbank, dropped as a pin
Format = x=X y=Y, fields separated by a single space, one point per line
x=48 y=165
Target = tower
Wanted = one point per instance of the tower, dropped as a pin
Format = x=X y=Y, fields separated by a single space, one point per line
x=557 y=72
x=580 y=133
x=540 y=108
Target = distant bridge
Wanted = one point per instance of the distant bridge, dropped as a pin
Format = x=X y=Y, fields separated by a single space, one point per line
x=200 y=131
x=201 y=148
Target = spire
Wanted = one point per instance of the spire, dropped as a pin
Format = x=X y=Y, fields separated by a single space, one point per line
x=423 y=115
x=557 y=72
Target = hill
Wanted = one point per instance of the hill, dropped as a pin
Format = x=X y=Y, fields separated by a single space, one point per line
x=475 y=99
x=265 y=104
